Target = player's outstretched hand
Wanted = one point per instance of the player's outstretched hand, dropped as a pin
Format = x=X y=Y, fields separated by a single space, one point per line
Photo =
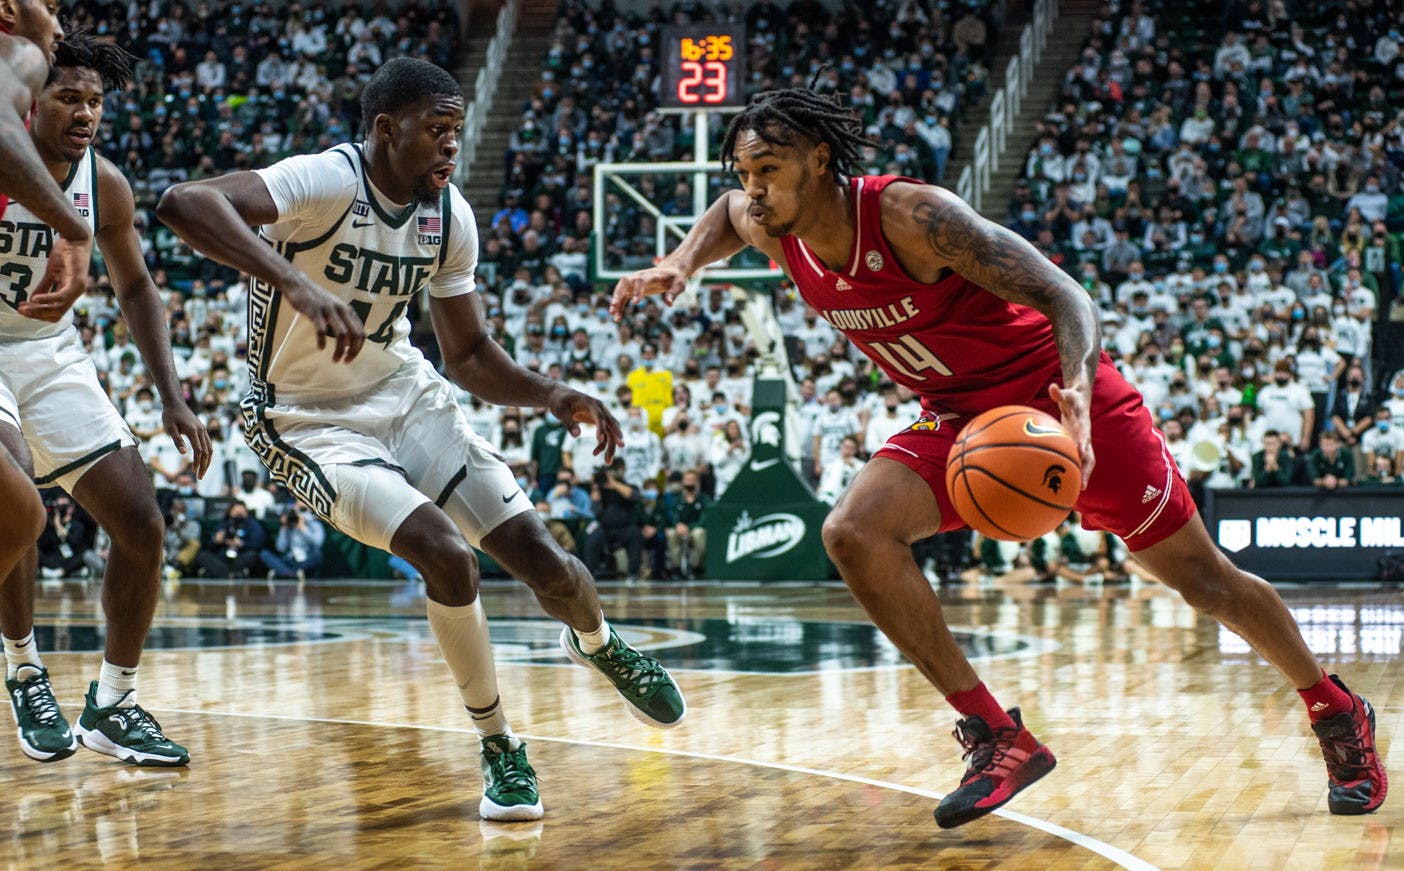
x=329 y=316
x=666 y=280
x=1077 y=420
x=188 y=434
x=65 y=279
x=574 y=408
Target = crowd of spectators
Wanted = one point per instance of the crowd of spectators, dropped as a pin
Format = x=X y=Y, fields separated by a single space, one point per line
x=910 y=67
x=1224 y=179
x=1238 y=222
x=220 y=86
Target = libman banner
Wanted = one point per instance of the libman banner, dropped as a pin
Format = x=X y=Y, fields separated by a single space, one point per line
x=767 y=524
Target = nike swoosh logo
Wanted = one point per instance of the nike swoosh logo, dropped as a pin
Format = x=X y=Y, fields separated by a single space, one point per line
x=760 y=465
x=359 y=224
x=1034 y=429
x=508 y=497
x=126 y=673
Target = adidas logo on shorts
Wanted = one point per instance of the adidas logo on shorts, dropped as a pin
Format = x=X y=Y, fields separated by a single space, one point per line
x=1151 y=493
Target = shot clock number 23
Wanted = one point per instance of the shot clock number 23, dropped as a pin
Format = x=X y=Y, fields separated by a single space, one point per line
x=704 y=67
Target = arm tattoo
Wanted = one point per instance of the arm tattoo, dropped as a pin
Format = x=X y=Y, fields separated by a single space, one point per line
x=1012 y=269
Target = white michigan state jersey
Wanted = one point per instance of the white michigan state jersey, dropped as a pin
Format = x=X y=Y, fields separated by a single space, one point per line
x=337 y=228
x=25 y=243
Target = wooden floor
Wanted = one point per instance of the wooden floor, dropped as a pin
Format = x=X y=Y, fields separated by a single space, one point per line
x=326 y=733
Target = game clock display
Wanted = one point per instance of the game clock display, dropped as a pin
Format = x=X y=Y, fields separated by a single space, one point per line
x=704 y=67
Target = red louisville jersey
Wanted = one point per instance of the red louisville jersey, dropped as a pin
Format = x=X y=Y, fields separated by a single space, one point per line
x=956 y=345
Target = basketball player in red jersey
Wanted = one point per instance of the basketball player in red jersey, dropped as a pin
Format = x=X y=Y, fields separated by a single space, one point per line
x=29 y=29
x=970 y=316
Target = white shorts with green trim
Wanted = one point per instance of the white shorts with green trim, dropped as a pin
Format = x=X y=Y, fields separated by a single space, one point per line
x=365 y=466
x=49 y=389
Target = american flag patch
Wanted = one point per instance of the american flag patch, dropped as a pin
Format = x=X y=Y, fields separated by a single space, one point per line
x=82 y=201
x=430 y=225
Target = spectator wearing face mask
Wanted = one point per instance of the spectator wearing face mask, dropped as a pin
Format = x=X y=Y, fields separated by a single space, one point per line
x=182 y=541
x=685 y=447
x=567 y=500
x=233 y=546
x=1370 y=200
x=834 y=423
x=1027 y=224
x=1383 y=440
x=615 y=503
x=1395 y=401
x=1286 y=406
x=841 y=472
x=652 y=387
x=1136 y=284
x=686 y=535
x=653 y=524
x=512 y=443
x=1353 y=412
x=730 y=450
x=66 y=538
x=257 y=499
x=1318 y=367
x=1203 y=333
x=642 y=450
x=144 y=416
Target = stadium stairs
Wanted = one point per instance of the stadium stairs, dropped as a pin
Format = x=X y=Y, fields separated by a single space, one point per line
x=514 y=88
x=475 y=44
x=1064 y=46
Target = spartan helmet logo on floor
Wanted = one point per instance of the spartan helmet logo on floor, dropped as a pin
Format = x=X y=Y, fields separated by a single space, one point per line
x=1053 y=477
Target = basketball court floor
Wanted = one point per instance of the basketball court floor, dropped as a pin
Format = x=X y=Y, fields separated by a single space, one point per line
x=326 y=733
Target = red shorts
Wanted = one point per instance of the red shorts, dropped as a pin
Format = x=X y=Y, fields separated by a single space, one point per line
x=1135 y=493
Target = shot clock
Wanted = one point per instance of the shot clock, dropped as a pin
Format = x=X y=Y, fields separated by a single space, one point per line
x=704 y=67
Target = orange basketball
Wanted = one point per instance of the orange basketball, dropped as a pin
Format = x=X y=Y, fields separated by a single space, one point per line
x=1013 y=473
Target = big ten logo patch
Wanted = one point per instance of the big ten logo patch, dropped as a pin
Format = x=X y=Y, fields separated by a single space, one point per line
x=430 y=230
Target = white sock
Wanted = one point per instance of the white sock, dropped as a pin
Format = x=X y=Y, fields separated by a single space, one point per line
x=116 y=685
x=462 y=633
x=594 y=642
x=22 y=652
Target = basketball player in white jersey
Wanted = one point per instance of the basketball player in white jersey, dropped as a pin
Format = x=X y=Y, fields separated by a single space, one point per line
x=28 y=31
x=53 y=409
x=369 y=436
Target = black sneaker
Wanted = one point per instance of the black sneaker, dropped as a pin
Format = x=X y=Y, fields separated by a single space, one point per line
x=1353 y=769
x=1001 y=764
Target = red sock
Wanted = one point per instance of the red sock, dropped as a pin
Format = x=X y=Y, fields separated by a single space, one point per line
x=1326 y=699
x=978 y=702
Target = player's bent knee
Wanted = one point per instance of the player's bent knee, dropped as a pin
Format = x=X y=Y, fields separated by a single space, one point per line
x=845 y=539
x=1206 y=585
x=29 y=520
x=139 y=528
x=448 y=558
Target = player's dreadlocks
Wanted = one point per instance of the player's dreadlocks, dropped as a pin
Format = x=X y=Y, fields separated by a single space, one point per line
x=786 y=117
x=79 y=50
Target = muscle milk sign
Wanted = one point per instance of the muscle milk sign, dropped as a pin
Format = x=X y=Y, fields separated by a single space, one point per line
x=1302 y=532
x=1310 y=532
